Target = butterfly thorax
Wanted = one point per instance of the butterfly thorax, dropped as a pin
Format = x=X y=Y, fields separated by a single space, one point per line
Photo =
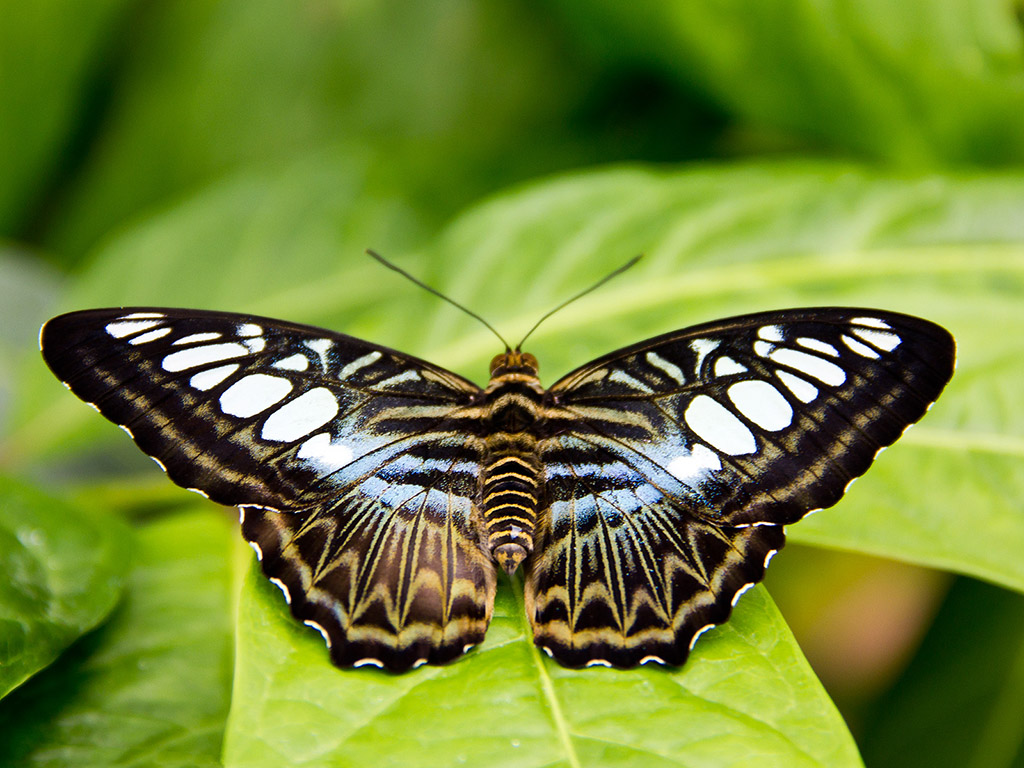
x=510 y=481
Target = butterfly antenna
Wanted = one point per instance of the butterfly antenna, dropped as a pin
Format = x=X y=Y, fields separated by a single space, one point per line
x=580 y=295
x=437 y=293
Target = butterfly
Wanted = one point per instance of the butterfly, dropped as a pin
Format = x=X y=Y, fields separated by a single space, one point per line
x=641 y=494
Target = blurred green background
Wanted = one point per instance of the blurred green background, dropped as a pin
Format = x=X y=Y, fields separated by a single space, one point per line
x=242 y=155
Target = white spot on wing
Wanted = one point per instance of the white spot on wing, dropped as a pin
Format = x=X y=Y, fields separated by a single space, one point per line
x=716 y=424
x=598 y=663
x=123 y=328
x=296 y=419
x=145 y=338
x=724 y=366
x=804 y=391
x=142 y=315
x=249 y=329
x=700 y=632
x=256 y=549
x=861 y=349
x=256 y=344
x=620 y=376
x=695 y=465
x=284 y=589
x=196 y=356
x=293 y=363
x=253 y=394
x=771 y=553
x=652 y=659
x=818 y=346
x=326 y=455
x=195 y=338
x=368 y=662
x=770 y=333
x=327 y=638
x=321 y=347
x=209 y=379
x=762 y=403
x=881 y=339
x=812 y=365
x=740 y=591
x=874 y=322
x=410 y=375
x=763 y=348
x=672 y=370
x=360 y=362
x=702 y=348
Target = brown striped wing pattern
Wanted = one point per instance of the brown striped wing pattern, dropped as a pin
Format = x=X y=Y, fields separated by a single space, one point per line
x=671 y=467
x=354 y=474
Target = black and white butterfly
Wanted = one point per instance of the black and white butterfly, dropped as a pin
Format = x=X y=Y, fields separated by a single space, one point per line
x=642 y=493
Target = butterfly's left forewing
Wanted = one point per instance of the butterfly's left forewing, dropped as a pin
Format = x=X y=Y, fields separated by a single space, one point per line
x=353 y=463
x=672 y=465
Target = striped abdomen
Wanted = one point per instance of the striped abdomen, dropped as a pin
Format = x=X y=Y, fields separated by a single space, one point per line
x=511 y=478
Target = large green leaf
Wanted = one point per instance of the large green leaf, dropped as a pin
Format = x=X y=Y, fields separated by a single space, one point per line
x=151 y=687
x=747 y=694
x=63 y=569
x=719 y=241
x=915 y=82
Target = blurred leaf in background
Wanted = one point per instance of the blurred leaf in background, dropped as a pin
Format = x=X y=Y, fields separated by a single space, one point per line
x=241 y=156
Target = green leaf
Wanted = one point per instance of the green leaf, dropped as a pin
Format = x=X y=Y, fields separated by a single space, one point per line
x=959 y=701
x=63 y=570
x=48 y=50
x=719 y=241
x=911 y=82
x=150 y=687
x=747 y=691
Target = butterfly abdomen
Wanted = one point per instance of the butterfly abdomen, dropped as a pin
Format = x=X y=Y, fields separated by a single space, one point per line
x=510 y=480
x=510 y=491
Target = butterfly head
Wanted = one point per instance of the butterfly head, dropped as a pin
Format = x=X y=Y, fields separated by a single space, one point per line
x=514 y=361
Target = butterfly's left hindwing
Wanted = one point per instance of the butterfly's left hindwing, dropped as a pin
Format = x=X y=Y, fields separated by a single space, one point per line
x=351 y=462
x=672 y=465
